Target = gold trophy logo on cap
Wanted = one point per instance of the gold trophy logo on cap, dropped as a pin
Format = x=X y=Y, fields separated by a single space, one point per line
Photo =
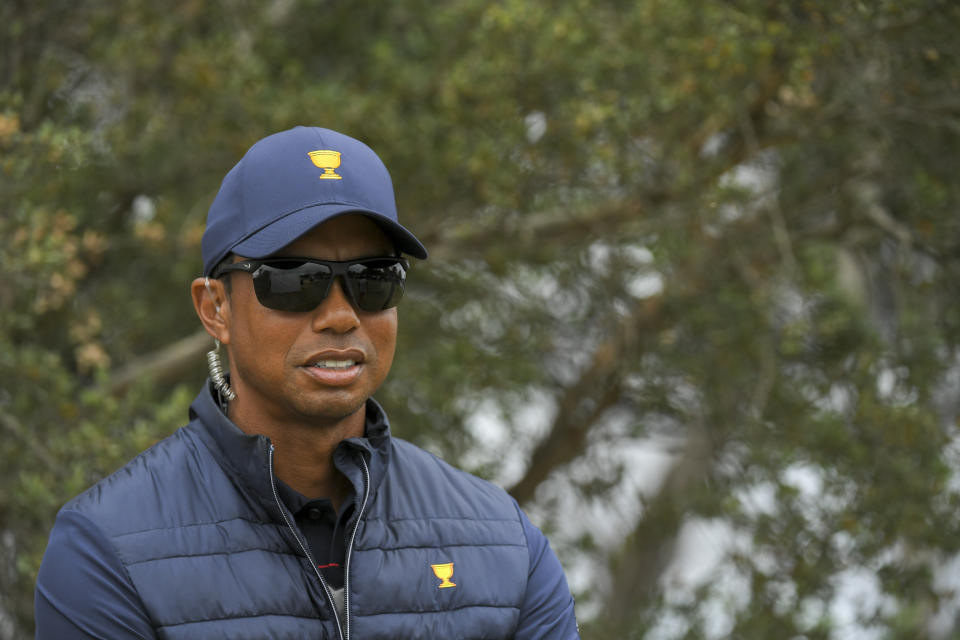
x=328 y=161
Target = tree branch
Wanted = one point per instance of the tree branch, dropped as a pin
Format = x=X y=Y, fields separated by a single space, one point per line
x=649 y=549
x=167 y=363
x=584 y=402
x=12 y=426
x=548 y=227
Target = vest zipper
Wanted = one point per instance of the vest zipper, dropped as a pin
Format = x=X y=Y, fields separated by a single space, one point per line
x=303 y=547
x=353 y=534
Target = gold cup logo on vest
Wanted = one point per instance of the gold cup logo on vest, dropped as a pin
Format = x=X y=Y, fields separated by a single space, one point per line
x=444 y=572
x=328 y=161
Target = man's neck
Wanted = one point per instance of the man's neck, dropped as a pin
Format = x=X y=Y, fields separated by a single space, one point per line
x=303 y=453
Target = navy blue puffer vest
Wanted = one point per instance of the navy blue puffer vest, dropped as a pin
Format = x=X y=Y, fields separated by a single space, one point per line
x=207 y=544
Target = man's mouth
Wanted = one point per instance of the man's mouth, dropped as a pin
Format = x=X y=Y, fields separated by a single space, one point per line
x=334 y=364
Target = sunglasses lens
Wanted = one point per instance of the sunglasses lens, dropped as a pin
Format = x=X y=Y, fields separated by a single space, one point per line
x=376 y=285
x=292 y=285
x=296 y=285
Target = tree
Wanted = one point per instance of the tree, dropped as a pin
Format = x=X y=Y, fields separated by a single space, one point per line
x=726 y=228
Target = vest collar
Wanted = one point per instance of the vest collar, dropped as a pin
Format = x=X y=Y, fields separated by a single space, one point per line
x=246 y=457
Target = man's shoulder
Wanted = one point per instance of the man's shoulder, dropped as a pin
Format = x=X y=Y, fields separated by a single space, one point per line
x=407 y=453
x=440 y=482
x=137 y=488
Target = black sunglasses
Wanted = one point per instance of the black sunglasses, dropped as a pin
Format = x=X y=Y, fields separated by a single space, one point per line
x=300 y=284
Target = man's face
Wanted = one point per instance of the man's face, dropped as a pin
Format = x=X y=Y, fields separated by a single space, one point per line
x=318 y=366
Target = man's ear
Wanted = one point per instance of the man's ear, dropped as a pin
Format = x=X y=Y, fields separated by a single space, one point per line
x=212 y=304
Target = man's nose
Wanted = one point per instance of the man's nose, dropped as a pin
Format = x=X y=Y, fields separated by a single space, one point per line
x=336 y=313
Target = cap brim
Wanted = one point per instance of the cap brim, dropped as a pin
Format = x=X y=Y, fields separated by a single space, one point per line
x=275 y=236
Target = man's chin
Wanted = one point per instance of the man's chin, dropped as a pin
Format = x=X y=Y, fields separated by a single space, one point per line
x=331 y=412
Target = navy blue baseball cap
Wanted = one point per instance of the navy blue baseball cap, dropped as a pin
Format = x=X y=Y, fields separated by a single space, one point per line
x=290 y=182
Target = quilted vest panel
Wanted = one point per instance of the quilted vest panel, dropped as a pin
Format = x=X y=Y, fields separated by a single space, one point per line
x=427 y=513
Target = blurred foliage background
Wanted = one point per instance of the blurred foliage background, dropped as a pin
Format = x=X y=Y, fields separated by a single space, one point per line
x=692 y=294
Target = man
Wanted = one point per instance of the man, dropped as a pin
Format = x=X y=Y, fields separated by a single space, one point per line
x=285 y=508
